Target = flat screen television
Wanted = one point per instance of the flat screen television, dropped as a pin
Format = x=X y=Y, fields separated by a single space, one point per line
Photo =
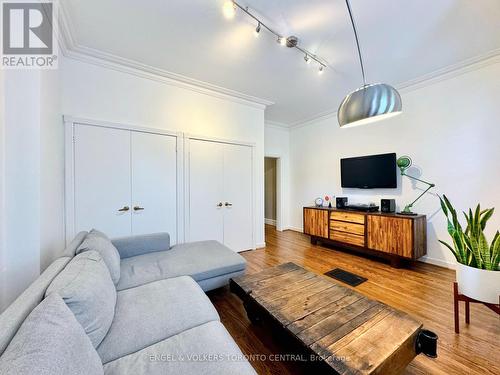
x=369 y=172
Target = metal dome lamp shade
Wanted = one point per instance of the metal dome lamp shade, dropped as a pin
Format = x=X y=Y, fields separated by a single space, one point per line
x=371 y=102
x=403 y=163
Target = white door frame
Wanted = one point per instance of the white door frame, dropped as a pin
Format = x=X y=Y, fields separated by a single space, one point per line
x=69 y=179
x=279 y=187
x=187 y=138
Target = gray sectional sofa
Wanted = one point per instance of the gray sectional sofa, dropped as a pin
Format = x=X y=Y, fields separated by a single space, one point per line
x=131 y=305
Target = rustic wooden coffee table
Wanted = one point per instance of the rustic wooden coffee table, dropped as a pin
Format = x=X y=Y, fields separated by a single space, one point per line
x=339 y=327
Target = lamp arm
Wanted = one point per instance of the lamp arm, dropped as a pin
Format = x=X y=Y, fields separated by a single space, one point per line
x=420 y=196
x=431 y=185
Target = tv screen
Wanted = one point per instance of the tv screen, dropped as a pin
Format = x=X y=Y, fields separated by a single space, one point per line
x=369 y=172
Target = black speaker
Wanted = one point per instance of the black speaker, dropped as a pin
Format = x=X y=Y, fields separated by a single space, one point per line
x=341 y=202
x=388 y=205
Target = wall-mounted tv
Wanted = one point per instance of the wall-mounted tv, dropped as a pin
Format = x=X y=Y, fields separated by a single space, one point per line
x=369 y=172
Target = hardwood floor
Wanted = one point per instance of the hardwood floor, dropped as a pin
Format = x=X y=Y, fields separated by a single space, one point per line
x=422 y=290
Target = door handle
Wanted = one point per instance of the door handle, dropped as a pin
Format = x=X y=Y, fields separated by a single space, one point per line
x=219 y=204
x=124 y=209
x=227 y=204
x=138 y=208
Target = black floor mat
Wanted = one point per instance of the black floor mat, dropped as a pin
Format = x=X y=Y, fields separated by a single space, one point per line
x=346 y=277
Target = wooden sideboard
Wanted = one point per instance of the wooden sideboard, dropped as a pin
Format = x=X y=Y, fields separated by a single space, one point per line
x=388 y=235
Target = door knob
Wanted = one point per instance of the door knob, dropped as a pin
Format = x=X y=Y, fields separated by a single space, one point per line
x=227 y=204
x=137 y=208
x=220 y=204
x=124 y=209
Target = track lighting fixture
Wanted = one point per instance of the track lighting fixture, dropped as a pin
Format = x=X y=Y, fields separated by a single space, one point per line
x=321 y=69
x=257 y=30
x=229 y=10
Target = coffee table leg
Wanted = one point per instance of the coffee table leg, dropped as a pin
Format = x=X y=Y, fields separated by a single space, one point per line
x=252 y=314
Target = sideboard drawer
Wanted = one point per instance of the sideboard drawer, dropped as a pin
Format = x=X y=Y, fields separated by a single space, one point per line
x=345 y=226
x=349 y=238
x=350 y=217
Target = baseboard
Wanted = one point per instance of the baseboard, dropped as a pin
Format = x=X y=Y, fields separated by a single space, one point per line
x=270 y=221
x=438 y=262
x=260 y=245
x=295 y=229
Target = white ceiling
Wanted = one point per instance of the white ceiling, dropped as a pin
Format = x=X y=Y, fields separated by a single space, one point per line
x=400 y=40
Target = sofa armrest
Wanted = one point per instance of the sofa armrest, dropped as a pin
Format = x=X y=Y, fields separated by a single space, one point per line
x=131 y=246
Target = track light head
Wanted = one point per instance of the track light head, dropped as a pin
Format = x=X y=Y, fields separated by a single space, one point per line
x=229 y=9
x=282 y=41
x=307 y=59
x=257 y=31
x=321 y=69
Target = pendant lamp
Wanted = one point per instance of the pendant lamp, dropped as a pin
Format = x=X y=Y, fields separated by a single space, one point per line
x=371 y=102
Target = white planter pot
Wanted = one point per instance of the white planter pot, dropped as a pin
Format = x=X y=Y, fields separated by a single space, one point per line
x=482 y=285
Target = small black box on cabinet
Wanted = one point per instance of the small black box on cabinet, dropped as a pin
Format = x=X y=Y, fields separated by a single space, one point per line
x=341 y=202
x=388 y=205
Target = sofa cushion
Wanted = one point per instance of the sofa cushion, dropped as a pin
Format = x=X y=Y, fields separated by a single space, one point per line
x=86 y=287
x=132 y=246
x=99 y=242
x=200 y=260
x=12 y=318
x=207 y=349
x=70 y=250
x=50 y=342
x=152 y=312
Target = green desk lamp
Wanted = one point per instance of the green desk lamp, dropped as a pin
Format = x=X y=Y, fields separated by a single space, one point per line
x=403 y=163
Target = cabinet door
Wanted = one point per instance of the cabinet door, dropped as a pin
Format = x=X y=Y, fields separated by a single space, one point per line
x=316 y=222
x=205 y=191
x=154 y=184
x=238 y=217
x=391 y=235
x=102 y=180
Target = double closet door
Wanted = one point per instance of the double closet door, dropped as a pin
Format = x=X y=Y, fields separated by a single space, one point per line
x=220 y=193
x=125 y=182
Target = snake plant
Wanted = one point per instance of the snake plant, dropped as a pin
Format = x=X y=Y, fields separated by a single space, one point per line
x=470 y=246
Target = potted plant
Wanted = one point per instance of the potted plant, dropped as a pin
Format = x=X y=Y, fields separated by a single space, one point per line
x=478 y=273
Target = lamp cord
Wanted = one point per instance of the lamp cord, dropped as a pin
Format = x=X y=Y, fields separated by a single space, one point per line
x=357 y=41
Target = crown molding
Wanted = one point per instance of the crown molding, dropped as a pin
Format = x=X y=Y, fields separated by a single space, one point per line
x=313 y=119
x=449 y=72
x=276 y=125
x=71 y=49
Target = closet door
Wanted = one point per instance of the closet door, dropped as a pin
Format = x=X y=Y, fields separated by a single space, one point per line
x=102 y=180
x=205 y=201
x=238 y=225
x=154 y=184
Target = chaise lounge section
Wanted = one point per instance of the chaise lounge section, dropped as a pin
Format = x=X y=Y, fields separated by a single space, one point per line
x=132 y=305
x=149 y=258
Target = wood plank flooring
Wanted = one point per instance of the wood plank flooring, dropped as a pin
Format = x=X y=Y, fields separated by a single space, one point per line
x=422 y=290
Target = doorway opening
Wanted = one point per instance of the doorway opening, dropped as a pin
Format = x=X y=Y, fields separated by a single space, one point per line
x=271 y=191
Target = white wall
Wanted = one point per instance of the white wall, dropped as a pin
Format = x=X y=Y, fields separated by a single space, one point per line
x=451 y=131
x=99 y=93
x=3 y=253
x=52 y=239
x=21 y=175
x=277 y=144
